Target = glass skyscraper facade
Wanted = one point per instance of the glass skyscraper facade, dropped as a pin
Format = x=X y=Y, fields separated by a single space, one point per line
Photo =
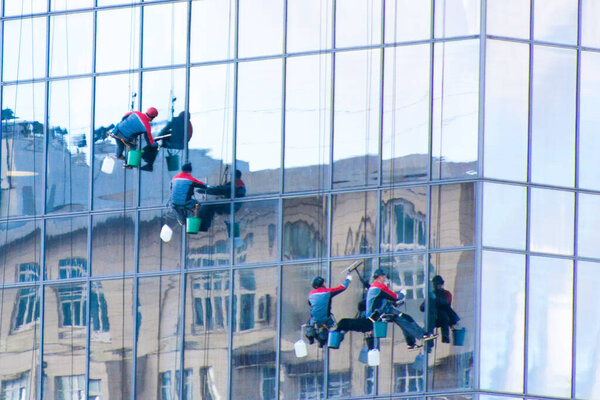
x=426 y=137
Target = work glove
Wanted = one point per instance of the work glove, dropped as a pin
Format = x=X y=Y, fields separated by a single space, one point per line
x=349 y=277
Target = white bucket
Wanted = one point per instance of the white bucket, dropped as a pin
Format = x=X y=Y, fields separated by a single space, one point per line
x=166 y=233
x=108 y=164
x=373 y=357
x=300 y=348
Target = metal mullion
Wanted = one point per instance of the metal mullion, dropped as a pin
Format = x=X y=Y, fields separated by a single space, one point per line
x=93 y=113
x=88 y=304
x=381 y=101
x=40 y=369
x=137 y=174
x=134 y=335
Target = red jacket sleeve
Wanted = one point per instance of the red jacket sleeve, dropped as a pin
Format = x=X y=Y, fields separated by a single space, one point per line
x=144 y=120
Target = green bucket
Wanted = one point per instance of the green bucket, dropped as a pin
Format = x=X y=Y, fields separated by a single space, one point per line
x=133 y=158
x=458 y=336
x=334 y=340
x=193 y=224
x=173 y=162
x=380 y=329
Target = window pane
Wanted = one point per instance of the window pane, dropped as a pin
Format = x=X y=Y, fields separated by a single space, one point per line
x=20 y=7
x=506 y=110
x=156 y=255
x=587 y=225
x=590 y=32
x=66 y=247
x=20 y=249
x=118 y=39
x=24 y=58
x=259 y=125
x=357 y=23
x=502 y=321
x=59 y=5
x=157 y=338
x=456 y=18
x=452 y=215
x=504 y=216
x=307 y=123
x=68 y=160
x=455 y=109
x=407 y=20
x=165 y=35
x=552 y=221
x=304 y=227
x=214 y=19
x=308 y=25
x=113 y=100
x=403 y=219
x=71 y=43
x=353 y=225
x=255 y=233
x=549 y=350
x=113 y=243
x=210 y=247
x=260 y=27
x=22 y=155
x=508 y=18
x=587 y=332
x=555 y=21
x=553 y=115
x=406 y=113
x=253 y=347
x=356 y=133
x=589 y=120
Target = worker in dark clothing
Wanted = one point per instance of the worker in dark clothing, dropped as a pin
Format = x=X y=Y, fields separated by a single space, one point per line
x=174 y=132
x=207 y=212
x=440 y=313
x=319 y=300
x=182 y=193
x=132 y=125
x=380 y=303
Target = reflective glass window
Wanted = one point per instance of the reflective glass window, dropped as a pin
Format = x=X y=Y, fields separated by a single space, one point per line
x=356 y=115
x=506 y=110
x=552 y=219
x=20 y=7
x=255 y=231
x=24 y=49
x=71 y=43
x=117 y=188
x=158 y=351
x=154 y=253
x=357 y=23
x=260 y=27
x=20 y=251
x=406 y=102
x=19 y=328
x=508 y=18
x=22 y=154
x=353 y=224
x=65 y=325
x=111 y=338
x=455 y=109
x=549 y=350
x=553 y=116
x=504 y=216
x=304 y=227
x=206 y=332
x=254 y=316
x=68 y=159
x=113 y=243
x=502 y=321
x=165 y=91
x=214 y=19
x=456 y=18
x=210 y=247
x=66 y=247
x=307 y=123
x=211 y=113
x=165 y=34
x=587 y=331
x=590 y=32
x=309 y=25
x=587 y=225
x=407 y=20
x=589 y=120
x=403 y=219
x=118 y=39
x=259 y=124
x=452 y=215
x=58 y=5
x=555 y=21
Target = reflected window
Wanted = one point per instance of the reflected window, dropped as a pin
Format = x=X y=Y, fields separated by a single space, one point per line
x=73 y=387
x=98 y=309
x=267 y=384
x=17 y=388
x=340 y=384
x=27 y=308
x=187 y=384
x=407 y=379
x=166 y=386
x=209 y=311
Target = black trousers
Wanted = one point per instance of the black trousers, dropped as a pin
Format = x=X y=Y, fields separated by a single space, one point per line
x=355 y=324
x=445 y=317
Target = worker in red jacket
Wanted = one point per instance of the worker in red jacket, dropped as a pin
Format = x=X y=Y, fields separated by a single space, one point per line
x=182 y=192
x=132 y=125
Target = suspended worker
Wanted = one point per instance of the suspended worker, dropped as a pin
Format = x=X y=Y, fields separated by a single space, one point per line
x=440 y=313
x=175 y=128
x=319 y=300
x=182 y=193
x=381 y=303
x=207 y=212
x=132 y=125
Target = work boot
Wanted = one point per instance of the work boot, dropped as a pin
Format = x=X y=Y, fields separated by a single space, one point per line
x=147 y=167
x=121 y=157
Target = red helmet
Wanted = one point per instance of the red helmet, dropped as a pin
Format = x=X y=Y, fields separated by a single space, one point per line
x=152 y=112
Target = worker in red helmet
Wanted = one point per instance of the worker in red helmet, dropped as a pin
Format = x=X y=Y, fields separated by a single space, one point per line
x=132 y=125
